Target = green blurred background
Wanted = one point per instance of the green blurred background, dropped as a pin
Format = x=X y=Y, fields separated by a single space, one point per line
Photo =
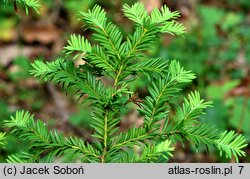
x=216 y=47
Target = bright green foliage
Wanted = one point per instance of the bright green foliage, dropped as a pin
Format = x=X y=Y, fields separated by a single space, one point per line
x=2 y=139
x=123 y=60
x=231 y=144
x=43 y=140
x=151 y=153
x=34 y=4
x=60 y=72
x=77 y=44
x=218 y=80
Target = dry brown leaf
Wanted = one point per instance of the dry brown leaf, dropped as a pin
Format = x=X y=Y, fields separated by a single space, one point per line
x=42 y=33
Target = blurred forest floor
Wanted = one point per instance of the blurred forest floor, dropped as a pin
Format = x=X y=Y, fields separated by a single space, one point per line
x=216 y=47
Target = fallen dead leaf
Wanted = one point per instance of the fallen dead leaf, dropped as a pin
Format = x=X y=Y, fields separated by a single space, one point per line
x=42 y=33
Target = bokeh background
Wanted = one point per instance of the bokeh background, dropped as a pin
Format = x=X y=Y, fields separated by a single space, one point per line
x=216 y=47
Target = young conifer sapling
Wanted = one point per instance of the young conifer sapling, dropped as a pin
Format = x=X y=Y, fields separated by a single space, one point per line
x=123 y=59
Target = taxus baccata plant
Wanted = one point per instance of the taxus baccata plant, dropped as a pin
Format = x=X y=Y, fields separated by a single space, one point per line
x=123 y=59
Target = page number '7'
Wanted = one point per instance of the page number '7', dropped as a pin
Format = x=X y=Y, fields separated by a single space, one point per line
x=241 y=168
